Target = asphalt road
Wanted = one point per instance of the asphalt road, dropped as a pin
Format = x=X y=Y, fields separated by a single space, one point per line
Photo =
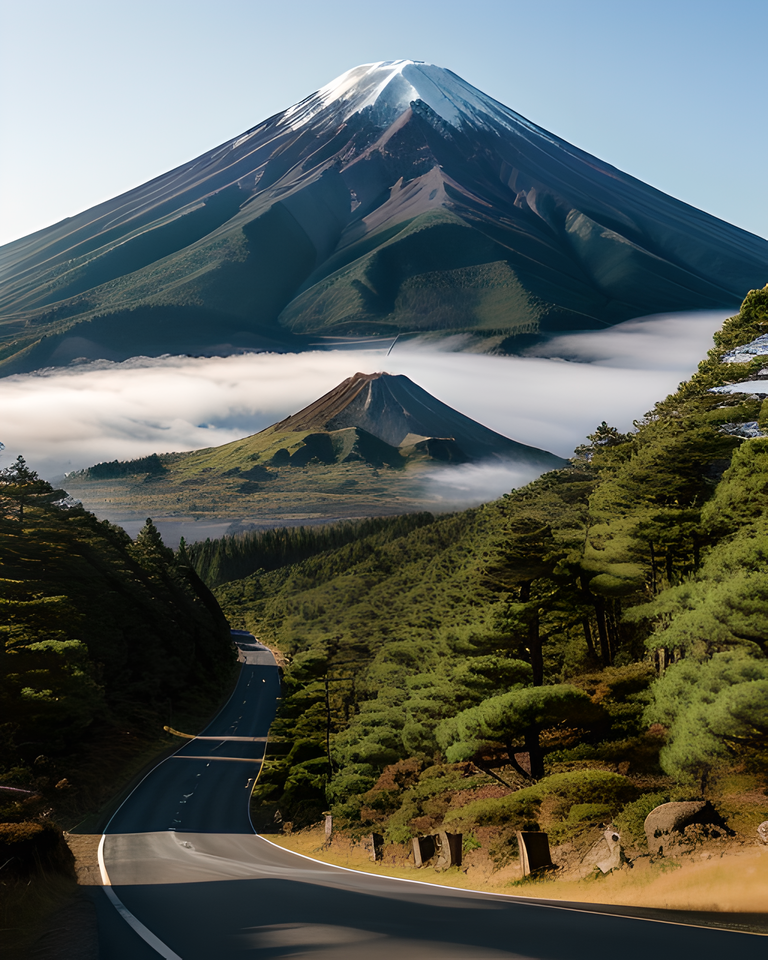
x=190 y=880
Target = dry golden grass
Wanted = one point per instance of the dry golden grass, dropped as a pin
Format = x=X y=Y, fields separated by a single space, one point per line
x=736 y=882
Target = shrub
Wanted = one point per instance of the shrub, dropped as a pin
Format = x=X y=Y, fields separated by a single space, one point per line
x=28 y=847
x=588 y=812
x=518 y=809
x=630 y=821
x=593 y=787
x=588 y=786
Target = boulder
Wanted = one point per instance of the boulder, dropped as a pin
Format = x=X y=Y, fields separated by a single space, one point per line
x=373 y=844
x=666 y=824
x=762 y=832
x=423 y=850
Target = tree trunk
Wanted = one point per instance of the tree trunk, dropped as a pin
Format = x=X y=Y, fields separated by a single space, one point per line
x=602 y=630
x=533 y=637
x=533 y=746
x=328 y=728
x=537 y=654
x=614 y=628
x=513 y=761
x=588 y=637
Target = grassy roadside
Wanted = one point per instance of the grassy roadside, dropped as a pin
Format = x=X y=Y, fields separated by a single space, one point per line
x=733 y=882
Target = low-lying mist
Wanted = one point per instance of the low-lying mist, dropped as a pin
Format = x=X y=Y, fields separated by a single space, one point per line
x=67 y=419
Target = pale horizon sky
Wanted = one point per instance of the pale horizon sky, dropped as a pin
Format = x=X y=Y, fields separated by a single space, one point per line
x=99 y=97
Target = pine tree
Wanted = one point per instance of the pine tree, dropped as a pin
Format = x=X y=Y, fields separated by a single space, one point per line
x=19 y=486
x=519 y=714
x=148 y=548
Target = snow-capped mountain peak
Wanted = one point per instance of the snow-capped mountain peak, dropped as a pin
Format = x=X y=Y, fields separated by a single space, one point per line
x=397 y=198
x=390 y=86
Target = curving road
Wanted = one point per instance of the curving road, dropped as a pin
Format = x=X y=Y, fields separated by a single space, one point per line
x=186 y=877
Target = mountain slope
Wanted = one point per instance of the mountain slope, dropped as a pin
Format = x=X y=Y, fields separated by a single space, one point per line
x=363 y=449
x=399 y=412
x=396 y=199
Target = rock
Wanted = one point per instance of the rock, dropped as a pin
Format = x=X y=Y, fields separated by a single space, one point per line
x=373 y=844
x=665 y=825
x=613 y=860
x=762 y=832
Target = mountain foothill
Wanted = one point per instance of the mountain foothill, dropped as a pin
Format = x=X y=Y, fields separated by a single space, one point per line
x=396 y=200
x=363 y=449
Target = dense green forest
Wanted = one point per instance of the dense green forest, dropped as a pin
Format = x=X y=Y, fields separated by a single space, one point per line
x=597 y=636
x=233 y=557
x=103 y=637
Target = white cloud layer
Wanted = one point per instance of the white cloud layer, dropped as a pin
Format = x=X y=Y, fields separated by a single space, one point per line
x=67 y=419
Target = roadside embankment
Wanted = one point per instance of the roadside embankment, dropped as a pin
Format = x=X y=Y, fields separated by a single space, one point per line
x=731 y=880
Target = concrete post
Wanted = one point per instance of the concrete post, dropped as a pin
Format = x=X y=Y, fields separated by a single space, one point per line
x=534 y=851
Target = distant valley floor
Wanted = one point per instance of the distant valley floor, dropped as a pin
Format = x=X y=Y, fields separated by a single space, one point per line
x=316 y=494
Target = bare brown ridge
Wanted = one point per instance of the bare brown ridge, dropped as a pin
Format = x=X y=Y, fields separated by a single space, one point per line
x=317 y=415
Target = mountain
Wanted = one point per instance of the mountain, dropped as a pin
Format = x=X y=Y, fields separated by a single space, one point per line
x=400 y=413
x=396 y=199
x=363 y=449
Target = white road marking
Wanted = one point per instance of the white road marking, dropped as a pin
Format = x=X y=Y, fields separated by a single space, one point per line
x=246 y=739
x=146 y=934
x=187 y=756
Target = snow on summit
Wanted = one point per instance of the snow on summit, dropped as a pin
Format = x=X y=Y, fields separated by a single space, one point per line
x=390 y=86
x=396 y=199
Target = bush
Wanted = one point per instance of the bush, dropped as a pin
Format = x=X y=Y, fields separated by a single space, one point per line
x=470 y=842
x=587 y=786
x=518 y=809
x=589 y=812
x=28 y=847
x=609 y=790
x=630 y=821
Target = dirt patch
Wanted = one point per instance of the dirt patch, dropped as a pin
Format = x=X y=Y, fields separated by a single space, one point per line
x=490 y=792
x=85 y=849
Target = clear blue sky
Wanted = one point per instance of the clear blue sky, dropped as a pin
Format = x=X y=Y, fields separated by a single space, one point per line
x=98 y=97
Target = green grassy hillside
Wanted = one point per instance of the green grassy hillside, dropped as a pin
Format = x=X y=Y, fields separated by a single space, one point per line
x=271 y=475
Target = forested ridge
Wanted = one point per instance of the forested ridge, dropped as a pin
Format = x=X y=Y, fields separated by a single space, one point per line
x=598 y=636
x=232 y=557
x=103 y=638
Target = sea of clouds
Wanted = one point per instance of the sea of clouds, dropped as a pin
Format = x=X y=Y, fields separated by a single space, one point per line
x=67 y=419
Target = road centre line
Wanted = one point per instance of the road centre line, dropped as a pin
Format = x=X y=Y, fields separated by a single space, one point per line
x=245 y=739
x=187 y=756
x=144 y=932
